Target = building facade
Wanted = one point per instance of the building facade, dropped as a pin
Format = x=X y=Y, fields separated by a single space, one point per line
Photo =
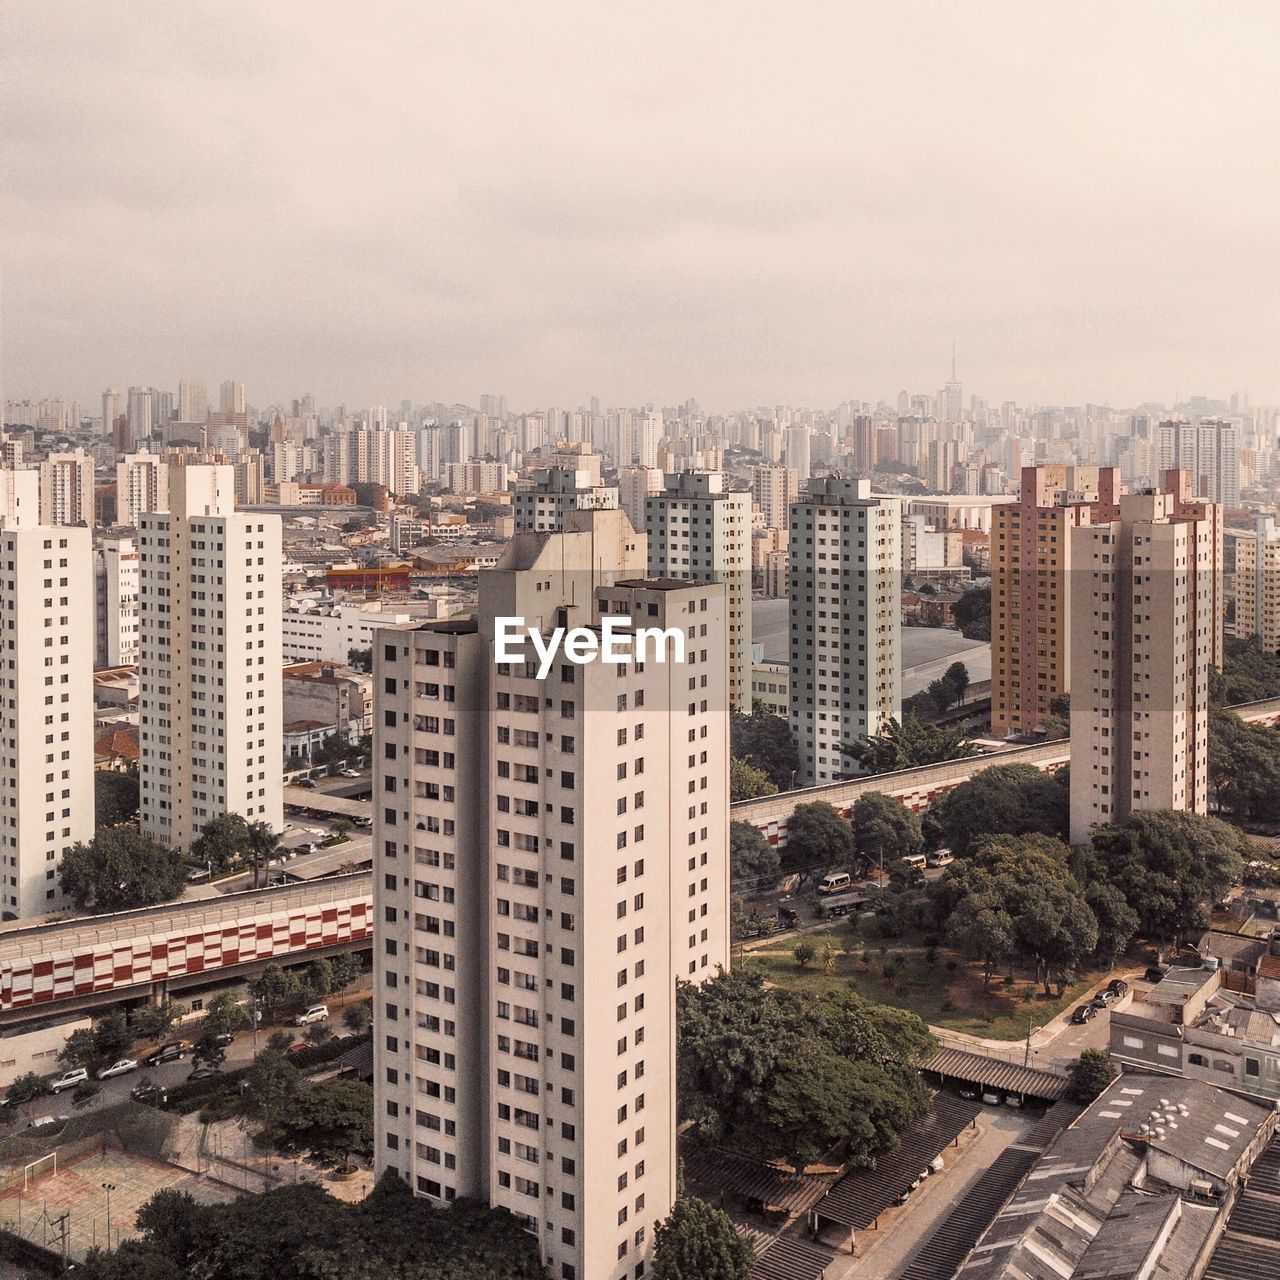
x=209 y=679
x=66 y=489
x=524 y=1049
x=116 y=582
x=845 y=552
x=1142 y=641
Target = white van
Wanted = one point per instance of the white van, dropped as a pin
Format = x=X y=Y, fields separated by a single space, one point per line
x=316 y=1013
x=916 y=860
x=835 y=882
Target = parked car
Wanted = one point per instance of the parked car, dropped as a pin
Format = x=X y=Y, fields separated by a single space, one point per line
x=308 y=783
x=1013 y=1100
x=1119 y=986
x=150 y=1093
x=835 y=882
x=1155 y=973
x=202 y=1073
x=348 y=773
x=967 y=1091
x=362 y=822
x=165 y=1053
x=47 y=1122
x=120 y=1068
x=940 y=858
x=314 y=1013
x=992 y=1098
x=1106 y=996
x=68 y=1079
x=1083 y=1013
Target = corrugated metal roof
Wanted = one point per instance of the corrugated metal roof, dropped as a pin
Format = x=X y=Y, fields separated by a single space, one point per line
x=957 y=1064
x=790 y=1259
x=710 y=1170
x=860 y=1197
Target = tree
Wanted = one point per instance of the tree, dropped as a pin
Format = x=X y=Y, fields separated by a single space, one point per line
x=764 y=741
x=956 y=681
x=751 y=856
x=804 y=951
x=361 y=659
x=884 y=829
x=817 y=838
x=1247 y=675
x=79 y=1050
x=980 y=928
x=746 y=782
x=224 y=1015
x=333 y=1120
x=358 y=1016
x=972 y=613
x=111 y=1037
x=25 y=1088
x=1171 y=867
x=317 y=979
x=1244 y=767
x=1090 y=1074
x=209 y=1050
x=115 y=796
x=263 y=844
x=1013 y=799
x=907 y=746
x=150 y=1021
x=342 y=827
x=697 y=1241
x=345 y=969
x=275 y=987
x=224 y=840
x=119 y=869
x=1117 y=921
x=273 y=1080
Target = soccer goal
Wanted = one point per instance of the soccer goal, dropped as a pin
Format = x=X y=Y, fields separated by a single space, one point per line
x=43 y=1167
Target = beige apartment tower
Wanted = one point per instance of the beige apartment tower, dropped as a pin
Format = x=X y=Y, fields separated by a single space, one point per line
x=551 y=857
x=210 y=737
x=1143 y=592
x=1257 y=586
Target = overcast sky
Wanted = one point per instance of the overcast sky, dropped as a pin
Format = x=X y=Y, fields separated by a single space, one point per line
x=747 y=203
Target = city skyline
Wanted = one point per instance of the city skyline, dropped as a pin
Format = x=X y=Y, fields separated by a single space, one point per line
x=609 y=205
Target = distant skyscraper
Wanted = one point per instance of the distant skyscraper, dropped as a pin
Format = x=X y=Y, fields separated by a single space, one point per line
x=1257 y=584
x=699 y=529
x=773 y=490
x=193 y=400
x=845 y=631
x=635 y=484
x=231 y=396
x=66 y=489
x=1209 y=450
x=209 y=637
x=142 y=484
x=115 y=571
x=952 y=394
x=1142 y=622
x=140 y=407
x=796 y=447
x=113 y=406
x=571 y=483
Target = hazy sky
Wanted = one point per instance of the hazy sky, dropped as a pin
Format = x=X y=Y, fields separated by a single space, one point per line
x=743 y=202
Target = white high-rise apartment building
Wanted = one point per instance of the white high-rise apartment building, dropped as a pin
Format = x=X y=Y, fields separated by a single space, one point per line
x=66 y=489
x=773 y=490
x=1142 y=642
x=142 y=484
x=113 y=406
x=796 y=445
x=845 y=631
x=571 y=483
x=550 y=858
x=1257 y=584
x=116 y=579
x=635 y=484
x=231 y=396
x=1209 y=450
x=46 y=713
x=193 y=400
x=699 y=530
x=210 y=686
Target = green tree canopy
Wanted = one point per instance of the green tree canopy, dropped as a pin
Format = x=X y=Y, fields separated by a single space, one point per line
x=1090 y=1074
x=276 y=986
x=751 y=856
x=697 y=1241
x=764 y=741
x=972 y=613
x=332 y=1119
x=1244 y=767
x=1171 y=867
x=818 y=838
x=224 y=840
x=908 y=745
x=773 y=1071
x=746 y=782
x=115 y=796
x=119 y=869
x=273 y=1082
x=1247 y=675
x=884 y=828
x=1013 y=799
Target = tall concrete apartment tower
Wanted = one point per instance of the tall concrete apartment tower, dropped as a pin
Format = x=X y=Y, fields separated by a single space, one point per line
x=701 y=531
x=551 y=856
x=1031 y=553
x=46 y=715
x=209 y=675
x=845 y=631
x=571 y=483
x=773 y=490
x=142 y=484
x=1142 y=623
x=1257 y=583
x=66 y=489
